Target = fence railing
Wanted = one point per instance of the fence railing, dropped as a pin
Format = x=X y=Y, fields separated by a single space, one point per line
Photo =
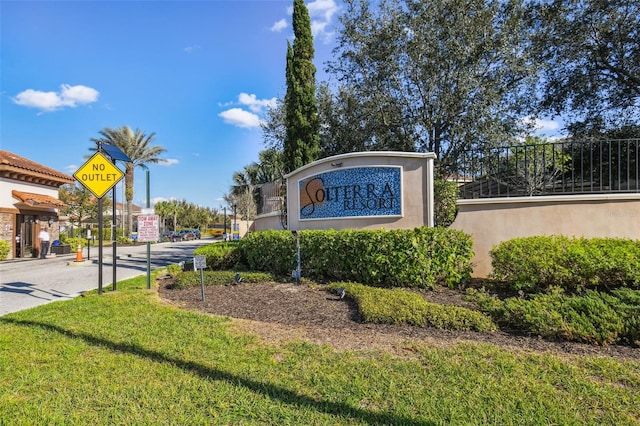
x=269 y=197
x=559 y=168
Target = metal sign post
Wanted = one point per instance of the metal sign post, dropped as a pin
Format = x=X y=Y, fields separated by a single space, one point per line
x=148 y=231
x=88 y=243
x=99 y=175
x=200 y=262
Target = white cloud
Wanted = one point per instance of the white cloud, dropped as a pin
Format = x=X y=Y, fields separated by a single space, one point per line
x=322 y=9
x=256 y=105
x=239 y=117
x=35 y=99
x=242 y=118
x=317 y=29
x=321 y=13
x=192 y=48
x=155 y=200
x=74 y=95
x=68 y=96
x=279 y=26
x=541 y=125
x=169 y=162
x=546 y=125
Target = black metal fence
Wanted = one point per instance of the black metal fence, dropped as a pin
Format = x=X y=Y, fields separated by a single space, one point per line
x=559 y=168
x=269 y=197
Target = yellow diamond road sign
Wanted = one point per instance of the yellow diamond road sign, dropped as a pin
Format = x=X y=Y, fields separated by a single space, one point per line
x=98 y=174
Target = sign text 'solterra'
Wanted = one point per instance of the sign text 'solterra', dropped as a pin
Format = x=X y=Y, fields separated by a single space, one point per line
x=353 y=192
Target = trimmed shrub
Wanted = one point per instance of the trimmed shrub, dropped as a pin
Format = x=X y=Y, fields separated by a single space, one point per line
x=533 y=264
x=73 y=243
x=398 y=306
x=192 y=278
x=421 y=257
x=593 y=317
x=123 y=240
x=4 y=249
x=174 y=270
x=270 y=251
x=222 y=255
x=445 y=197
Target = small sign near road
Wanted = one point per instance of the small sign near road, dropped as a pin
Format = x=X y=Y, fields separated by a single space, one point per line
x=98 y=174
x=148 y=228
x=199 y=261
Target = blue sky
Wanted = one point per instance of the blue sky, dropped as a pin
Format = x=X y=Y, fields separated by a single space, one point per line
x=198 y=74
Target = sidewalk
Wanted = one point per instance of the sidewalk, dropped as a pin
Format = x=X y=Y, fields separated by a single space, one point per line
x=93 y=254
x=49 y=256
x=29 y=282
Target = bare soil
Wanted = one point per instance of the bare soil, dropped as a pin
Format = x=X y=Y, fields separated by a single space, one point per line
x=281 y=313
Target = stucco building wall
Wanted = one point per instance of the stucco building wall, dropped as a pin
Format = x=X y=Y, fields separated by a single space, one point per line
x=491 y=221
x=28 y=202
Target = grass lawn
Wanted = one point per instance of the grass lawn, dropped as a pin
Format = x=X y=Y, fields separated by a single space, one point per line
x=126 y=358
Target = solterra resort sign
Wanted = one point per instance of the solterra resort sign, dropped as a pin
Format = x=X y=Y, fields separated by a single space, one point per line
x=351 y=192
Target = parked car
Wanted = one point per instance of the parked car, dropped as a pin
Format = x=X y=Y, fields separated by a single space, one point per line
x=196 y=232
x=186 y=235
x=171 y=236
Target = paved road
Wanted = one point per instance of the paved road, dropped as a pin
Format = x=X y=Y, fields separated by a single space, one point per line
x=33 y=282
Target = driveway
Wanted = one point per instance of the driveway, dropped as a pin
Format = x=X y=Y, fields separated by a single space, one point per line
x=26 y=283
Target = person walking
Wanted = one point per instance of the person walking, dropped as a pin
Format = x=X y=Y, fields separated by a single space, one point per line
x=44 y=238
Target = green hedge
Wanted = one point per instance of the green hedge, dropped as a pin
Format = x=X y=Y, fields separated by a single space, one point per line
x=221 y=255
x=270 y=251
x=445 y=196
x=4 y=249
x=399 y=306
x=420 y=257
x=533 y=264
x=593 y=317
x=192 y=278
x=73 y=243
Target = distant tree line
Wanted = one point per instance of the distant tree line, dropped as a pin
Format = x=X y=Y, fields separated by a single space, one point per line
x=82 y=208
x=177 y=214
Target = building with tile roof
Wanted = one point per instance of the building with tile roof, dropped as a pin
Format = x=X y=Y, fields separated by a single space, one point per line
x=28 y=202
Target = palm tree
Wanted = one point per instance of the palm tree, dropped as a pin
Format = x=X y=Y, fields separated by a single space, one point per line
x=136 y=145
x=242 y=189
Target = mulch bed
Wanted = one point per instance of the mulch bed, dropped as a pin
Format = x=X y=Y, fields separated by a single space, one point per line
x=280 y=313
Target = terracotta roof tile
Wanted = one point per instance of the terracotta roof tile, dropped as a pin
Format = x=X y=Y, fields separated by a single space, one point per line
x=14 y=162
x=38 y=199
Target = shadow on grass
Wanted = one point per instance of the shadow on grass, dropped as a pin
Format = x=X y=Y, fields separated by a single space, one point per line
x=272 y=391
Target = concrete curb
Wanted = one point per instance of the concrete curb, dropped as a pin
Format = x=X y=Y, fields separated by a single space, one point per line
x=75 y=263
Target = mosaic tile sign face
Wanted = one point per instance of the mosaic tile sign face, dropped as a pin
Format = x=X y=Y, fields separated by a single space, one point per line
x=352 y=192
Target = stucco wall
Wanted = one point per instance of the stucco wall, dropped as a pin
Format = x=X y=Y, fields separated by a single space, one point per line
x=8 y=185
x=416 y=183
x=491 y=221
x=10 y=208
x=266 y=222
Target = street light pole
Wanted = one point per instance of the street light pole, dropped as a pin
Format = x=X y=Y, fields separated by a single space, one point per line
x=225 y=223
x=234 y=221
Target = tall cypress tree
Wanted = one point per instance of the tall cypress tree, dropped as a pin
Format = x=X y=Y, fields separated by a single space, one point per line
x=301 y=111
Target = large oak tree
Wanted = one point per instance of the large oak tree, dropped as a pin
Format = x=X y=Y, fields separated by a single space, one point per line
x=442 y=76
x=591 y=53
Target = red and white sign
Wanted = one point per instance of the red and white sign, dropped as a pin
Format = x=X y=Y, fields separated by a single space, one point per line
x=148 y=228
